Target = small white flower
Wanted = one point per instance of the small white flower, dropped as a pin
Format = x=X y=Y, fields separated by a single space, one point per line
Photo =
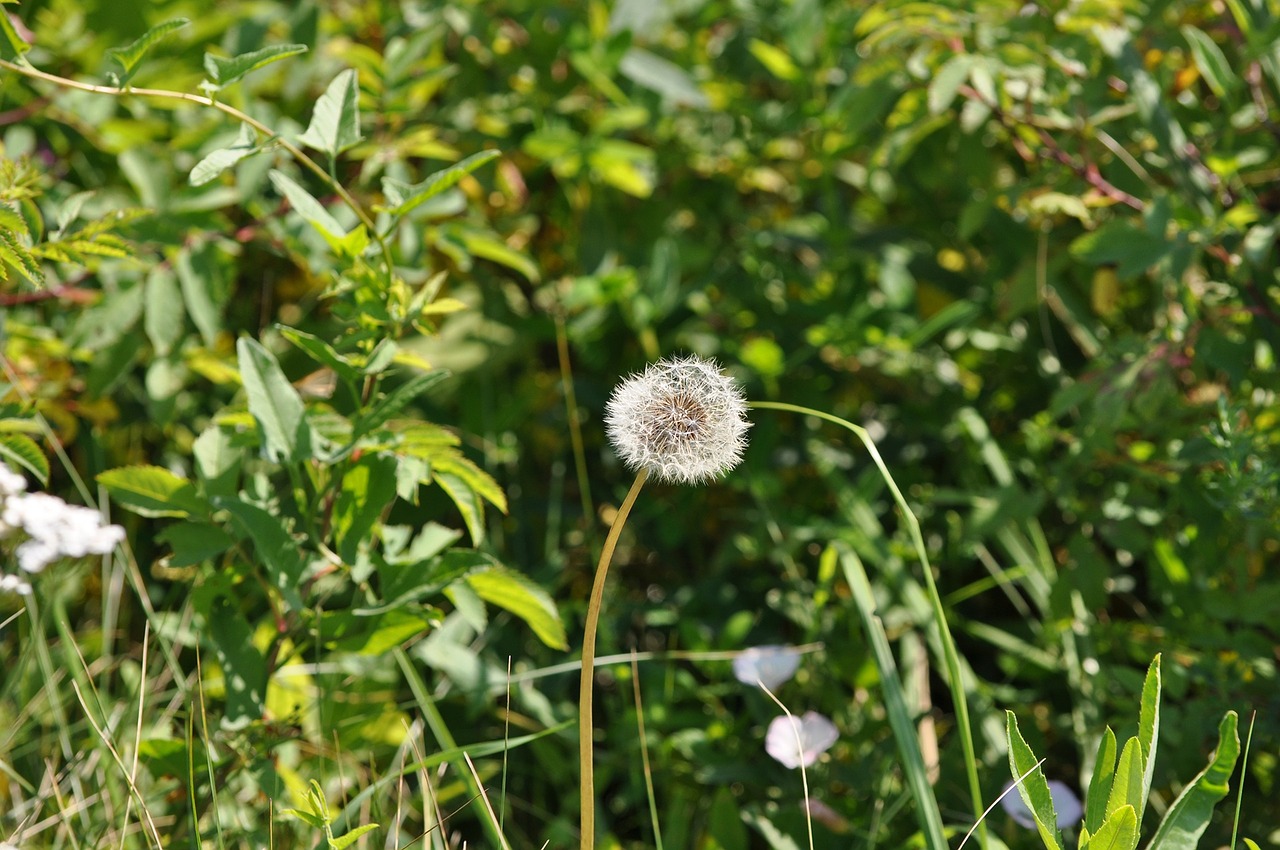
x=796 y=741
x=682 y=419
x=1065 y=804
x=11 y=483
x=13 y=584
x=767 y=665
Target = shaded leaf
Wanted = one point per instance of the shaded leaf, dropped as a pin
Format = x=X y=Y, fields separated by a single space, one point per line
x=1212 y=62
x=129 y=57
x=224 y=72
x=1187 y=818
x=666 y=78
x=246 y=145
x=274 y=403
x=307 y=206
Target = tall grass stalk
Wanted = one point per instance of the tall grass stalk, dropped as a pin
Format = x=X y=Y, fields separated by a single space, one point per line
x=951 y=657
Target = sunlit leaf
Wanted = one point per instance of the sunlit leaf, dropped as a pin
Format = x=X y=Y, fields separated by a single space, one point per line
x=223 y=72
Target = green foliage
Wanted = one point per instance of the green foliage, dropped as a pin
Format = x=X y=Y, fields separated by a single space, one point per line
x=350 y=406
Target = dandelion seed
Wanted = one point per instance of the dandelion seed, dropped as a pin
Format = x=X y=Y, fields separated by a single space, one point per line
x=682 y=419
x=796 y=741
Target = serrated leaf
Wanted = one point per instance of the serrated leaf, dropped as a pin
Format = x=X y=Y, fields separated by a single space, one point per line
x=307 y=206
x=1104 y=769
x=153 y=491
x=335 y=123
x=1034 y=789
x=514 y=592
x=274 y=403
x=129 y=57
x=1118 y=832
x=21 y=450
x=246 y=145
x=345 y=841
x=403 y=197
x=14 y=253
x=1189 y=815
x=224 y=72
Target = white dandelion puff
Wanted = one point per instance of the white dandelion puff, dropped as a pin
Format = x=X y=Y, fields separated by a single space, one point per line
x=682 y=419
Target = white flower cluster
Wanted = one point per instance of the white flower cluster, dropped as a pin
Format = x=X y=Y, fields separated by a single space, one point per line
x=52 y=528
x=682 y=419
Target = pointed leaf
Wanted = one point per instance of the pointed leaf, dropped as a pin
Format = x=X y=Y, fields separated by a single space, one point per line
x=153 y=491
x=395 y=401
x=1187 y=818
x=320 y=351
x=211 y=166
x=274 y=403
x=277 y=548
x=1126 y=786
x=514 y=592
x=1212 y=62
x=307 y=206
x=195 y=542
x=1148 y=731
x=468 y=503
x=224 y=72
x=11 y=44
x=1100 y=786
x=1119 y=831
x=345 y=841
x=476 y=479
x=129 y=57
x=335 y=124
x=1034 y=789
x=403 y=197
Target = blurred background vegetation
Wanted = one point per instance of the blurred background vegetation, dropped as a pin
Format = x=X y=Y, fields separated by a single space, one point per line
x=1030 y=246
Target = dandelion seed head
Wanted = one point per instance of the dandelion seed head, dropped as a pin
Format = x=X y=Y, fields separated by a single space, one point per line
x=682 y=419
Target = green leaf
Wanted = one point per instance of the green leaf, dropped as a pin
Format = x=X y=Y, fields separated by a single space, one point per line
x=774 y=59
x=946 y=82
x=163 y=309
x=307 y=206
x=1118 y=832
x=224 y=72
x=129 y=57
x=666 y=78
x=1126 y=786
x=276 y=547
x=475 y=478
x=335 y=123
x=1132 y=249
x=514 y=592
x=403 y=197
x=246 y=145
x=14 y=252
x=244 y=670
x=315 y=821
x=195 y=542
x=11 y=46
x=395 y=401
x=468 y=503
x=21 y=450
x=624 y=165
x=321 y=352
x=1212 y=62
x=1148 y=731
x=1100 y=786
x=202 y=290
x=153 y=491
x=274 y=403
x=349 y=631
x=344 y=841
x=1187 y=818
x=368 y=487
x=488 y=246
x=1034 y=788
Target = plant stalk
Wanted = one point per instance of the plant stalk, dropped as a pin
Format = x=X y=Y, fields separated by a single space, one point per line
x=586 y=745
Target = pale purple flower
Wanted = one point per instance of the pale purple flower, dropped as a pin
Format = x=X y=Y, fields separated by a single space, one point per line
x=682 y=419
x=768 y=665
x=796 y=741
x=1065 y=804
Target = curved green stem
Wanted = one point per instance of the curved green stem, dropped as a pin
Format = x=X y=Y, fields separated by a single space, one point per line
x=304 y=160
x=586 y=760
x=950 y=656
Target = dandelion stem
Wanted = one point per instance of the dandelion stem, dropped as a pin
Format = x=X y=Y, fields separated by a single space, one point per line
x=950 y=656
x=586 y=759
